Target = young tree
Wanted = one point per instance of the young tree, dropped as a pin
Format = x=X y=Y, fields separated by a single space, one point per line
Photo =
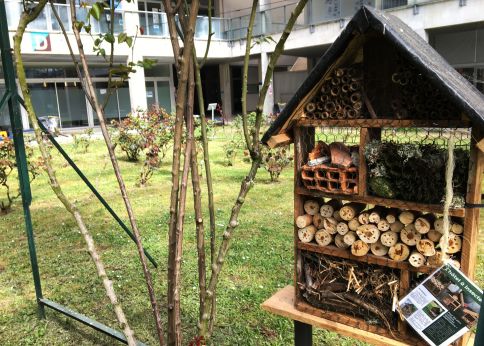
x=27 y=17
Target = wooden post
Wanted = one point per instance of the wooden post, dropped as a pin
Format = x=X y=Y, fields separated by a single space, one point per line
x=366 y=135
x=303 y=143
x=303 y=334
x=471 y=219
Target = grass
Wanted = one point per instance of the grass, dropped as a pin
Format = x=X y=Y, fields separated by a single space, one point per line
x=260 y=260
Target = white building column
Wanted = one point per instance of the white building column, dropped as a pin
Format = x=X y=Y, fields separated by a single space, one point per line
x=136 y=81
x=226 y=90
x=269 y=100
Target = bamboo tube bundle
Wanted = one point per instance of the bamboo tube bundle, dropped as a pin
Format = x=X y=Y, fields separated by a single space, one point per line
x=339 y=96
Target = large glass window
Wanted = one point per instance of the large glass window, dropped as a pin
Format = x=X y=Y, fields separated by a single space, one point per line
x=124 y=101
x=118 y=105
x=4 y=118
x=44 y=99
x=150 y=94
x=163 y=91
x=158 y=93
x=111 y=108
x=72 y=104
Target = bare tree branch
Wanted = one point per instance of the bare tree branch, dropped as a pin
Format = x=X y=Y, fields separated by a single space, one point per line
x=245 y=72
x=25 y=19
x=117 y=171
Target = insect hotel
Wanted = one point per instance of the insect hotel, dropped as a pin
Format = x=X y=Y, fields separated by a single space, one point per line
x=388 y=165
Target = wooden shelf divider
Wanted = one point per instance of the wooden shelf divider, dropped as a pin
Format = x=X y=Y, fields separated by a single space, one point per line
x=392 y=203
x=305 y=122
x=331 y=250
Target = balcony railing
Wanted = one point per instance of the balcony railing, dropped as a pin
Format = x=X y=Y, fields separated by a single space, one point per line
x=269 y=21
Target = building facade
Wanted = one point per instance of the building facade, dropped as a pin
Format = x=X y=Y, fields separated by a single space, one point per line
x=454 y=27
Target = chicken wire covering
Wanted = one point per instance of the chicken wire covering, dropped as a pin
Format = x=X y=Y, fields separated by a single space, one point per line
x=433 y=136
x=409 y=164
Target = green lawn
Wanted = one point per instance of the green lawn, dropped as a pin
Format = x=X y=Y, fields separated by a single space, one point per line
x=260 y=260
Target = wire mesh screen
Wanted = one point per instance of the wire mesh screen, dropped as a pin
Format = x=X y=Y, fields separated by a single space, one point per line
x=331 y=164
x=428 y=136
x=409 y=164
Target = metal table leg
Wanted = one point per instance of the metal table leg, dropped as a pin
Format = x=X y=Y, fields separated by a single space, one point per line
x=303 y=334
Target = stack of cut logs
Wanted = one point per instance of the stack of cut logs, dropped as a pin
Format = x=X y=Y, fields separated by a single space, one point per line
x=400 y=235
x=417 y=97
x=340 y=96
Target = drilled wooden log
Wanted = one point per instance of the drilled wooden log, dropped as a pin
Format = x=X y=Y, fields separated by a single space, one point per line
x=416 y=259
x=329 y=224
x=323 y=237
x=359 y=248
x=306 y=234
x=311 y=207
x=350 y=237
x=342 y=228
x=398 y=252
x=318 y=221
x=389 y=238
x=328 y=208
x=406 y=217
x=304 y=220
x=378 y=249
x=368 y=233
x=426 y=247
x=383 y=225
x=409 y=235
x=351 y=210
x=353 y=224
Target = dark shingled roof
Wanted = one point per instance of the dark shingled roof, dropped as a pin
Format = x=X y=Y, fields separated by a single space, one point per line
x=434 y=66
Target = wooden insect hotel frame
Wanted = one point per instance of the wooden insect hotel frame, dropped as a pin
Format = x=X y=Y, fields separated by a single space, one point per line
x=374 y=127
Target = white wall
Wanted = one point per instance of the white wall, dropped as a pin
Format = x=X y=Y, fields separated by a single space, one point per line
x=286 y=83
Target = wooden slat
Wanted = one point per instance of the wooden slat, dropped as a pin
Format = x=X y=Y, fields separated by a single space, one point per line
x=283 y=304
x=383 y=123
x=278 y=140
x=331 y=250
x=393 y=203
x=471 y=221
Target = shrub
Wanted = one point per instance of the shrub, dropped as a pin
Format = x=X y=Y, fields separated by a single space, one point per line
x=82 y=141
x=149 y=133
x=7 y=166
x=275 y=160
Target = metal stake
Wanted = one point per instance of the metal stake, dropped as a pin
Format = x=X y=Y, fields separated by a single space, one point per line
x=20 y=156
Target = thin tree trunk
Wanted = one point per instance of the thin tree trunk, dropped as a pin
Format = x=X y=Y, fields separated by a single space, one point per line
x=249 y=179
x=245 y=73
x=183 y=65
x=197 y=206
x=117 y=171
x=25 y=19
x=208 y=177
x=181 y=210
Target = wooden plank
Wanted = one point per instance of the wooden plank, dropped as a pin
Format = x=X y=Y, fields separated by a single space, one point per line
x=480 y=145
x=283 y=304
x=471 y=220
x=331 y=250
x=404 y=288
x=392 y=203
x=305 y=122
x=364 y=139
x=278 y=140
x=303 y=141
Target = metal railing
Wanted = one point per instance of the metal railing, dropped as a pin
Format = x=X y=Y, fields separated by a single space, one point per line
x=269 y=21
